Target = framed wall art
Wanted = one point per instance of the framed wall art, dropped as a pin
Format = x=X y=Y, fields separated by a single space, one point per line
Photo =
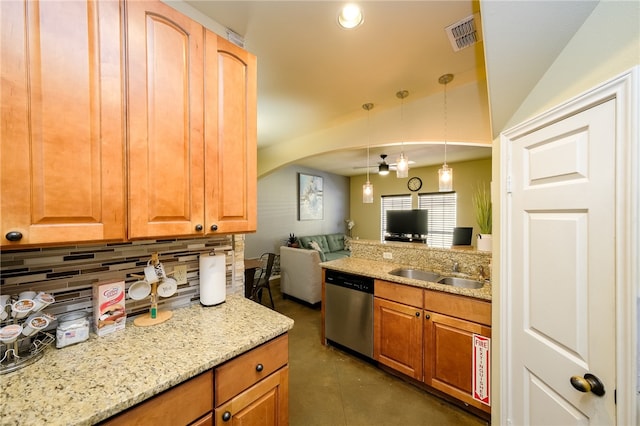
x=310 y=197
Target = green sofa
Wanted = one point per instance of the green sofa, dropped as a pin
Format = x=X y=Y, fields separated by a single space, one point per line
x=331 y=246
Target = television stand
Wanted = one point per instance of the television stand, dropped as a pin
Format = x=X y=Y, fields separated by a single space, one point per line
x=405 y=239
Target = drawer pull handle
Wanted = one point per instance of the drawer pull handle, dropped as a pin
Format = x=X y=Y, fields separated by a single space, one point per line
x=199 y=227
x=214 y=227
x=259 y=368
x=13 y=236
x=226 y=416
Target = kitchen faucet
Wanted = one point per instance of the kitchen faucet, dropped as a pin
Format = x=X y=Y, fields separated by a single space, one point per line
x=456 y=267
x=481 y=274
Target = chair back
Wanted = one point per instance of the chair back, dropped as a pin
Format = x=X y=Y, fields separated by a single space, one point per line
x=266 y=270
x=262 y=282
x=267 y=260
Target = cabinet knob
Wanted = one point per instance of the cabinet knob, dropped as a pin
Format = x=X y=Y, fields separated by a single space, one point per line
x=199 y=227
x=214 y=227
x=13 y=236
x=226 y=416
x=259 y=367
x=427 y=316
x=417 y=314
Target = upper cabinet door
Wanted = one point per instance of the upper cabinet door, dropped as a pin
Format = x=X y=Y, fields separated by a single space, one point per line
x=62 y=122
x=230 y=137
x=165 y=98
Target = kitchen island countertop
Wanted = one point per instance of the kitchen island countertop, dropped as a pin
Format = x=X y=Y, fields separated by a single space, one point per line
x=91 y=381
x=381 y=269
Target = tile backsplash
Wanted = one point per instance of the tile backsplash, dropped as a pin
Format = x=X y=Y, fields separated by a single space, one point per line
x=69 y=272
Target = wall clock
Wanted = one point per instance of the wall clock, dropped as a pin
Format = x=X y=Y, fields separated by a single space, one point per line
x=414 y=184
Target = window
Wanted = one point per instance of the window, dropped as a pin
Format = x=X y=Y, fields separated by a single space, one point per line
x=442 y=217
x=392 y=202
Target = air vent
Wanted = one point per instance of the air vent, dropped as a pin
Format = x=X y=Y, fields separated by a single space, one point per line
x=464 y=33
x=235 y=38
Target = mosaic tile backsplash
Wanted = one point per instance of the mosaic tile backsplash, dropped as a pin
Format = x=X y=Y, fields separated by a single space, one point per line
x=69 y=272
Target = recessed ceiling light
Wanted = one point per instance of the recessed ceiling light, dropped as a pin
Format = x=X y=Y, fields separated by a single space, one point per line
x=350 y=16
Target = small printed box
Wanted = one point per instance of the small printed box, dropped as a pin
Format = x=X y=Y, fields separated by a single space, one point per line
x=109 y=314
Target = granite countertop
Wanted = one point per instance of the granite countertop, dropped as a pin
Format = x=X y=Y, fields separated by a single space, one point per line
x=93 y=380
x=381 y=269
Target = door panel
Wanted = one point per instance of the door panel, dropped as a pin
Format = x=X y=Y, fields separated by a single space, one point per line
x=562 y=277
x=166 y=177
x=398 y=337
x=62 y=147
x=230 y=136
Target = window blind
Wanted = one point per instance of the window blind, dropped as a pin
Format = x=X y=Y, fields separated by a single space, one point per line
x=442 y=217
x=392 y=202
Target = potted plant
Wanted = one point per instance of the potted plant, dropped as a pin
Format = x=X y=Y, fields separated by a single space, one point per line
x=482 y=208
x=292 y=241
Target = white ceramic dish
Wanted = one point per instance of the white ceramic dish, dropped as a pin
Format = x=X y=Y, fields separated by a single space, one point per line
x=167 y=287
x=139 y=290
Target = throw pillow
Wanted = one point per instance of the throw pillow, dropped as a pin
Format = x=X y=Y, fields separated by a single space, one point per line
x=314 y=245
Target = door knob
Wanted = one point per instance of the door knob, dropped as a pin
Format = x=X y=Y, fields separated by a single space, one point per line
x=588 y=383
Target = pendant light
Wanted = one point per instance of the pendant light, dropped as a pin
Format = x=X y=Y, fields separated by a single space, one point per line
x=402 y=164
x=445 y=174
x=367 y=188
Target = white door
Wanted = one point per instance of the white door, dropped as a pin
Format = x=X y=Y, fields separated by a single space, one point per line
x=561 y=273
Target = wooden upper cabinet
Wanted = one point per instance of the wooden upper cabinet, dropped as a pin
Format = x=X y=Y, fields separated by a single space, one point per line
x=62 y=170
x=165 y=100
x=230 y=137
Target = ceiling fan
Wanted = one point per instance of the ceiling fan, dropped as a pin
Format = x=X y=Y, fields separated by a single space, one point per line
x=383 y=166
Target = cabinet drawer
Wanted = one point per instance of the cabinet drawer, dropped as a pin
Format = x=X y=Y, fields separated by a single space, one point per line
x=179 y=405
x=265 y=403
x=400 y=293
x=458 y=306
x=242 y=372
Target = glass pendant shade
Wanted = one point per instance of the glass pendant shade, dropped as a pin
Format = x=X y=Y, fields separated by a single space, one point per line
x=445 y=178
x=367 y=188
x=445 y=174
x=402 y=166
x=367 y=193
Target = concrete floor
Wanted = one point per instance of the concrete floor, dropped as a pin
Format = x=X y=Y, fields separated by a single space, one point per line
x=330 y=387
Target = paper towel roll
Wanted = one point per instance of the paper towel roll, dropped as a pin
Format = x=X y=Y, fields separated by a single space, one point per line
x=213 y=279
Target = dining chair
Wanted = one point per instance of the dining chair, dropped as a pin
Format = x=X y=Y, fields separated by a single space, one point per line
x=261 y=282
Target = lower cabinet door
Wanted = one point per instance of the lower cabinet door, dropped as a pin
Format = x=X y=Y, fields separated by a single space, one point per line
x=448 y=355
x=397 y=337
x=264 y=404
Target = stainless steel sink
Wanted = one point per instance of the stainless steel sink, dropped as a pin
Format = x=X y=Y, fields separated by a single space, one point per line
x=416 y=274
x=460 y=282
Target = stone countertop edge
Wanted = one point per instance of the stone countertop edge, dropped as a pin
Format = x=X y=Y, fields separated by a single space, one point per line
x=380 y=269
x=91 y=381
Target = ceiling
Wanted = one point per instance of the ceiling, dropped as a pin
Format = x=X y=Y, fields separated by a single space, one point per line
x=314 y=76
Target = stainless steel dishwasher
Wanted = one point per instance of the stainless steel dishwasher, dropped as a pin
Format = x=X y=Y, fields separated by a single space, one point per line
x=349 y=311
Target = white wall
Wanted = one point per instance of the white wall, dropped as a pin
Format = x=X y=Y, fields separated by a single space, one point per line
x=278 y=211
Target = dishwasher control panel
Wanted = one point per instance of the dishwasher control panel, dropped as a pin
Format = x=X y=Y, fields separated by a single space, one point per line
x=354 y=282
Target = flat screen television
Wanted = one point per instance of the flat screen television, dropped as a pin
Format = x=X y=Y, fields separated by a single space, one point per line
x=407 y=222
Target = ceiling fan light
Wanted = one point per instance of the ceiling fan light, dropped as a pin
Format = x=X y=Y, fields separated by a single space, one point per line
x=367 y=193
x=350 y=16
x=445 y=178
x=402 y=166
x=383 y=169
